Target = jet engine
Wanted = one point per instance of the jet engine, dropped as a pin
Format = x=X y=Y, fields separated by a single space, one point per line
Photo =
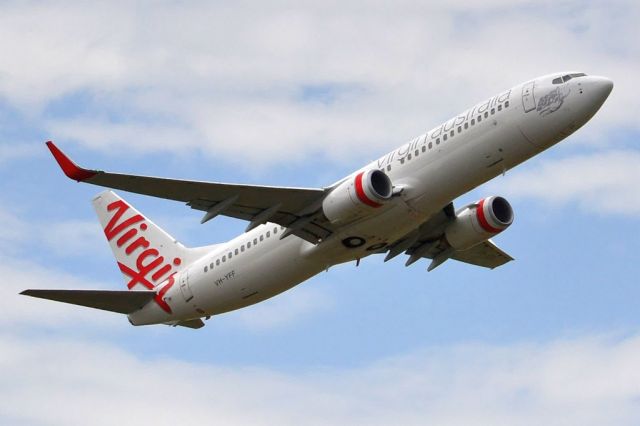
x=478 y=222
x=357 y=196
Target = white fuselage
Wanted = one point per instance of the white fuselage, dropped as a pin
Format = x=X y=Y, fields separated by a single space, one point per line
x=432 y=170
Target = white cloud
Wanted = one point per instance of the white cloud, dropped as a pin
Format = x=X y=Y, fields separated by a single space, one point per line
x=604 y=182
x=582 y=381
x=227 y=81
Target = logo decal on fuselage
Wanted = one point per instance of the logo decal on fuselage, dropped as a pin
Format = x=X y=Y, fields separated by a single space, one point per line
x=433 y=136
x=150 y=267
x=552 y=101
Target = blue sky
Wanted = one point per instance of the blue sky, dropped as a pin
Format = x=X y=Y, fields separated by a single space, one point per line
x=301 y=95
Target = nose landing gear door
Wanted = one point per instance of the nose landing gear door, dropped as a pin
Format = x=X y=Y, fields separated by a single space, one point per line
x=184 y=286
x=528 y=99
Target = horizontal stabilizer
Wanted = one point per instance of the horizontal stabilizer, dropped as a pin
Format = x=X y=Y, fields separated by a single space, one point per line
x=123 y=302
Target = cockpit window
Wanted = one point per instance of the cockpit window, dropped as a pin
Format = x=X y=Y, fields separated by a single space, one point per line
x=565 y=78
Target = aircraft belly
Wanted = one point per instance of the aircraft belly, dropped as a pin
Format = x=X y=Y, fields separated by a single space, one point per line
x=371 y=233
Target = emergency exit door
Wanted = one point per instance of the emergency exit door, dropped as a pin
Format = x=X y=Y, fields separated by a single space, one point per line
x=528 y=98
x=184 y=286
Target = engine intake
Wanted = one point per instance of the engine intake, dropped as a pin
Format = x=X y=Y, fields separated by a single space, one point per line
x=357 y=196
x=478 y=222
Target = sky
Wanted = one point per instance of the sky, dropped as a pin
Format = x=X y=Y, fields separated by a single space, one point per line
x=301 y=94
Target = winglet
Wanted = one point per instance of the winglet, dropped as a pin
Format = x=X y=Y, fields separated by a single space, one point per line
x=71 y=169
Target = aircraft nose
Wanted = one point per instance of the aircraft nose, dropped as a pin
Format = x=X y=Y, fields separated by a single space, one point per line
x=602 y=87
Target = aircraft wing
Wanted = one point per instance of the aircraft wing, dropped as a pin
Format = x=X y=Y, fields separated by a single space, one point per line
x=426 y=242
x=295 y=208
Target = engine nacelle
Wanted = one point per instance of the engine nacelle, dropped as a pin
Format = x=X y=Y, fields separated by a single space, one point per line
x=478 y=222
x=357 y=196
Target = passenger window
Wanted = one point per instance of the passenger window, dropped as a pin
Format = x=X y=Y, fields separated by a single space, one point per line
x=236 y=252
x=473 y=121
x=224 y=258
x=493 y=111
x=205 y=269
x=409 y=157
x=217 y=262
x=261 y=237
x=424 y=148
x=466 y=126
x=486 y=114
x=268 y=234
x=248 y=245
x=500 y=107
x=431 y=144
x=230 y=255
x=444 y=138
x=417 y=152
x=506 y=104
x=242 y=248
x=451 y=133
x=275 y=230
x=211 y=266
x=389 y=167
x=479 y=118
x=255 y=241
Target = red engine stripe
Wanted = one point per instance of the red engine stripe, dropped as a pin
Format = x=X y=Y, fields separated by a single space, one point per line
x=483 y=220
x=361 y=194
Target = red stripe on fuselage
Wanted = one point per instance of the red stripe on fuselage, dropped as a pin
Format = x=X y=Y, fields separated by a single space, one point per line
x=361 y=194
x=159 y=298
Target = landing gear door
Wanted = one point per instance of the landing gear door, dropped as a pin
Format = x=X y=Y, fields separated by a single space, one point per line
x=184 y=286
x=528 y=99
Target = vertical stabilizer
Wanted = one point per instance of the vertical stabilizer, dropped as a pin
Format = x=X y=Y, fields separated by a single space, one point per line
x=146 y=254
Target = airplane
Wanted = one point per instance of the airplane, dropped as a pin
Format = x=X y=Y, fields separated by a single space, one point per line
x=399 y=203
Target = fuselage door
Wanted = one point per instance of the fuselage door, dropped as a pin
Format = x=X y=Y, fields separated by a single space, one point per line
x=184 y=286
x=528 y=99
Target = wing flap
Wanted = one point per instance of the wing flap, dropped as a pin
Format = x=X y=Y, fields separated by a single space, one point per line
x=485 y=254
x=193 y=323
x=123 y=302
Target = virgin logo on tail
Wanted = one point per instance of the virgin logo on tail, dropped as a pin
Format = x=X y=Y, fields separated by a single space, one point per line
x=150 y=267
